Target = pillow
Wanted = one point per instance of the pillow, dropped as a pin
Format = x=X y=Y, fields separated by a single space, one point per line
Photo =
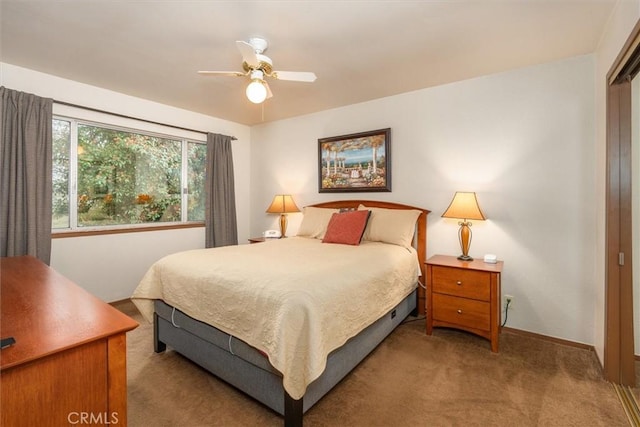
x=395 y=226
x=347 y=227
x=315 y=221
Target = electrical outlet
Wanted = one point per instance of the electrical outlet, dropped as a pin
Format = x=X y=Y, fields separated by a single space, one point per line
x=508 y=299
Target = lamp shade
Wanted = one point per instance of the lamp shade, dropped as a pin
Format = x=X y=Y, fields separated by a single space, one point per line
x=464 y=206
x=282 y=203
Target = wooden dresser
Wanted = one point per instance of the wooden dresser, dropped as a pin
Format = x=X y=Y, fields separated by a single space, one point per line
x=68 y=364
x=464 y=295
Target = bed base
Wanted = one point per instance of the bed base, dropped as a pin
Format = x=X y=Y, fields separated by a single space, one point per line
x=248 y=370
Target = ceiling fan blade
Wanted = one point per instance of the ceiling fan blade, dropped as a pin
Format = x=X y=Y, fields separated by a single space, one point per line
x=298 y=76
x=223 y=73
x=248 y=53
x=269 y=94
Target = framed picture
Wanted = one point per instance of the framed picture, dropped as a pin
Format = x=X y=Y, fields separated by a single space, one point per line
x=360 y=162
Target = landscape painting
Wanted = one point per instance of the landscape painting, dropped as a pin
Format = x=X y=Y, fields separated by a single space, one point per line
x=359 y=162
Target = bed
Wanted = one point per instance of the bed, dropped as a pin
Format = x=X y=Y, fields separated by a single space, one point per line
x=283 y=320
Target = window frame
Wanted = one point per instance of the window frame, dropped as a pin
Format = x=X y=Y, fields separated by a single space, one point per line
x=74 y=230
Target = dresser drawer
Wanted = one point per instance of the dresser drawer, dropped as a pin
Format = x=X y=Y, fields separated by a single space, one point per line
x=462 y=311
x=464 y=283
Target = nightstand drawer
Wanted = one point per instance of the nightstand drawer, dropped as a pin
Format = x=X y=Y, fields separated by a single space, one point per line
x=464 y=283
x=462 y=311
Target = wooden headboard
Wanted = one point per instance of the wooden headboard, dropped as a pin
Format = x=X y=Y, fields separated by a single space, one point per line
x=420 y=239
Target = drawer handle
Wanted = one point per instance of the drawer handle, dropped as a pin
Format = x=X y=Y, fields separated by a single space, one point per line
x=459 y=283
x=459 y=311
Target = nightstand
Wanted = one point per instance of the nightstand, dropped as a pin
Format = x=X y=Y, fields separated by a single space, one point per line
x=256 y=239
x=464 y=295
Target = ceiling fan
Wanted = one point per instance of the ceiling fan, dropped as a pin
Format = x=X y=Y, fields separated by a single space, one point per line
x=258 y=66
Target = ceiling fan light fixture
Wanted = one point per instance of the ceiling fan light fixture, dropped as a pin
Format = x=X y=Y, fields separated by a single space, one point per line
x=256 y=91
x=257 y=67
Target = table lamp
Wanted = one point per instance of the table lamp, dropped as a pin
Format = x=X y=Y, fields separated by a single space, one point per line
x=464 y=206
x=283 y=204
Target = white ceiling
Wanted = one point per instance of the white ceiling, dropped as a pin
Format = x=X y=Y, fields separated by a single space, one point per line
x=360 y=50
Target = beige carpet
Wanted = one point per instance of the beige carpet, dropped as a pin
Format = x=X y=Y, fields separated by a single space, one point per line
x=448 y=379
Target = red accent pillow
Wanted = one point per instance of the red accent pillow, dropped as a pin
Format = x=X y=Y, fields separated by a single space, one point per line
x=346 y=227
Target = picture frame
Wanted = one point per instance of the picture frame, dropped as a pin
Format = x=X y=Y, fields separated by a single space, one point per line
x=359 y=162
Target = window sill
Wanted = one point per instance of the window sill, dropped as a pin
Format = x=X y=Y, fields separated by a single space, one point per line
x=121 y=230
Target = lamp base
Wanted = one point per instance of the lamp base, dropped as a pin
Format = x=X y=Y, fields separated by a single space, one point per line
x=464 y=235
x=283 y=225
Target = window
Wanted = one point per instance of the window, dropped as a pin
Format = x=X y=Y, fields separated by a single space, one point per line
x=60 y=171
x=105 y=176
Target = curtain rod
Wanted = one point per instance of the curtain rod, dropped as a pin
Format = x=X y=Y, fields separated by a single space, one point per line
x=124 y=116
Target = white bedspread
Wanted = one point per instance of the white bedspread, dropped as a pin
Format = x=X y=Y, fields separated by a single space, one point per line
x=295 y=299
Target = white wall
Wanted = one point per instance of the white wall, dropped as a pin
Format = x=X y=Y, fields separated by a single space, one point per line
x=110 y=266
x=619 y=27
x=523 y=140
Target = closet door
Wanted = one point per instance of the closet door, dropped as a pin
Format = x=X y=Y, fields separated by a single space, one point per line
x=619 y=363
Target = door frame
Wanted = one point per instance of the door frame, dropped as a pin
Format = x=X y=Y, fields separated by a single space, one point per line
x=619 y=359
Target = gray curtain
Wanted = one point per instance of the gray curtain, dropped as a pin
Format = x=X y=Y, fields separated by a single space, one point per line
x=25 y=174
x=221 y=225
